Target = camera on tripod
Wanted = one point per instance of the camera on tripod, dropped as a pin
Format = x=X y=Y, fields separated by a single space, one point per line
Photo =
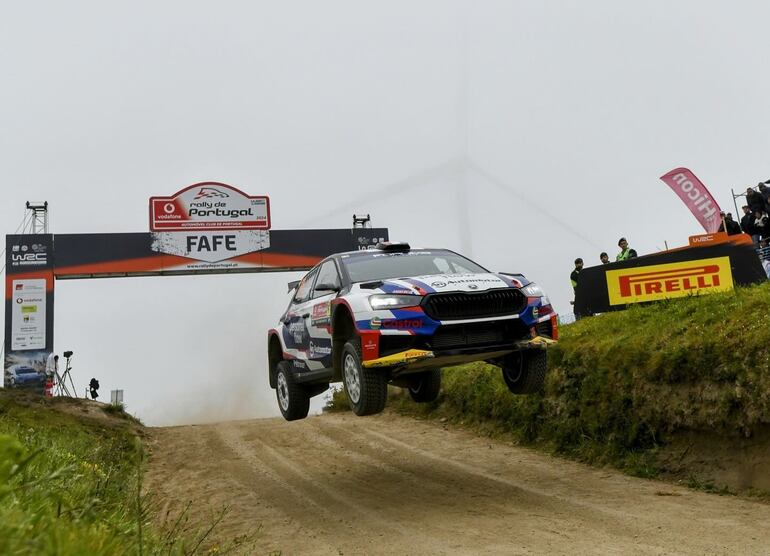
x=67 y=354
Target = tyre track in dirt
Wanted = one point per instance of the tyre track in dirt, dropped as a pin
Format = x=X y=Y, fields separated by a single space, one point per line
x=337 y=484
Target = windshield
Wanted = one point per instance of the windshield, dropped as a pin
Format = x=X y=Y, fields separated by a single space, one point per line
x=370 y=266
x=26 y=371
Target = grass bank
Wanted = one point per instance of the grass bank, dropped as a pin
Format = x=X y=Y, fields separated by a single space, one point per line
x=678 y=388
x=71 y=482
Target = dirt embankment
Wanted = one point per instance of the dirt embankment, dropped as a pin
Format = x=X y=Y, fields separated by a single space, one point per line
x=338 y=484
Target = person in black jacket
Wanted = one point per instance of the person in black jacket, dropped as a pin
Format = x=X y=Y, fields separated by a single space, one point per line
x=747 y=221
x=732 y=226
x=754 y=200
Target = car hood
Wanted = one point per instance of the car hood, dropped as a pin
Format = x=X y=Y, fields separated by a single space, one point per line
x=437 y=283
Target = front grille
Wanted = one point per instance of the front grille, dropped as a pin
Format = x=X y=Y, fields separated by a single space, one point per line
x=477 y=334
x=473 y=305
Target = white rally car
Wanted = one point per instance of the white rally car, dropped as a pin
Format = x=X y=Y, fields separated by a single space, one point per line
x=396 y=315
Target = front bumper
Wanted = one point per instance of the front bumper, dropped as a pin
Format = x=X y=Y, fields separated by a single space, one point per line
x=413 y=360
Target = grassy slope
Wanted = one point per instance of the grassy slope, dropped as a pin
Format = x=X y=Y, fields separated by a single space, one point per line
x=621 y=385
x=68 y=484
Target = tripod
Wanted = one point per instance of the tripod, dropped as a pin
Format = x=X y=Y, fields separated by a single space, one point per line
x=61 y=380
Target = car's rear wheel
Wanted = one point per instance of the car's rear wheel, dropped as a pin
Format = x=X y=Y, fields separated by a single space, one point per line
x=293 y=399
x=524 y=371
x=425 y=386
x=366 y=389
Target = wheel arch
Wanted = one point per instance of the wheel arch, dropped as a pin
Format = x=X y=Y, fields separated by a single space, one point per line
x=274 y=356
x=343 y=329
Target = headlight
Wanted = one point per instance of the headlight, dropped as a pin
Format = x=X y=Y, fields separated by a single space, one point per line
x=533 y=290
x=385 y=301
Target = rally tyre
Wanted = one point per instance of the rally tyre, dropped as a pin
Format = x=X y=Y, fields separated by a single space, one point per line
x=426 y=386
x=293 y=399
x=366 y=389
x=524 y=371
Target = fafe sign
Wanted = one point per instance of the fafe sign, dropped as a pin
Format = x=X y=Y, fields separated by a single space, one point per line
x=664 y=281
x=209 y=206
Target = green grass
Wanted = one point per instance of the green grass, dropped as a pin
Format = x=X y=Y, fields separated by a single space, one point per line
x=71 y=482
x=67 y=485
x=621 y=383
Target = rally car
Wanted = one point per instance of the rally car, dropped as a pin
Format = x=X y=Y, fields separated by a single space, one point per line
x=397 y=315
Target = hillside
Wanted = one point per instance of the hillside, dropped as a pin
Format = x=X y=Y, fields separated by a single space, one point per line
x=678 y=389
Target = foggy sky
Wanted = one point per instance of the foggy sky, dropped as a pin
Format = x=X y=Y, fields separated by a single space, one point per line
x=524 y=134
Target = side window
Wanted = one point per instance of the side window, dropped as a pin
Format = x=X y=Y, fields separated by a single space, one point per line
x=303 y=290
x=327 y=274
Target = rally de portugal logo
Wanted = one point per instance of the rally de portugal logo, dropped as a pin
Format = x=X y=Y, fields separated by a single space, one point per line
x=209 y=206
x=665 y=281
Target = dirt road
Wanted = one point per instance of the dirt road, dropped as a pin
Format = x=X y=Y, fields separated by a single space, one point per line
x=337 y=484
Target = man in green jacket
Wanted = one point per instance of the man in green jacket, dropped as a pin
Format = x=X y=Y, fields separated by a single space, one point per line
x=625 y=251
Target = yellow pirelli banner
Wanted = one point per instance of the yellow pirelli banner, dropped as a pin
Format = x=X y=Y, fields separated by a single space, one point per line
x=664 y=281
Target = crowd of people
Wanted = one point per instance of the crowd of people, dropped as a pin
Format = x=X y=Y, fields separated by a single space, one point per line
x=625 y=254
x=754 y=222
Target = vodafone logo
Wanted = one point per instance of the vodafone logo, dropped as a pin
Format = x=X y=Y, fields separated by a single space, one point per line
x=169 y=208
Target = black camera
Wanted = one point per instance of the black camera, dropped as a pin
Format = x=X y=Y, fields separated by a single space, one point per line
x=67 y=354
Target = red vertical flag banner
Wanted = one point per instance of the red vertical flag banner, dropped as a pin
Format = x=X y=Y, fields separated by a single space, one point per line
x=695 y=195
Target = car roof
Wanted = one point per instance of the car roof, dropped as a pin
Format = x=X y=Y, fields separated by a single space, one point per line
x=381 y=251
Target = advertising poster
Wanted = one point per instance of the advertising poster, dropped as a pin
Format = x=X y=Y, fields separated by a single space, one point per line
x=29 y=291
x=28 y=314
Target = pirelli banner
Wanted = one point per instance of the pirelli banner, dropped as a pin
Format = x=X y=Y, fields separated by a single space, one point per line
x=667 y=275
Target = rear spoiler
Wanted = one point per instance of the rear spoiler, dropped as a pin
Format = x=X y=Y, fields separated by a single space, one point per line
x=293 y=285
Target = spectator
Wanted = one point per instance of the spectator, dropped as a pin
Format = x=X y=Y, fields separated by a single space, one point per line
x=732 y=226
x=576 y=273
x=760 y=226
x=764 y=250
x=764 y=192
x=604 y=258
x=764 y=254
x=754 y=200
x=625 y=251
x=747 y=221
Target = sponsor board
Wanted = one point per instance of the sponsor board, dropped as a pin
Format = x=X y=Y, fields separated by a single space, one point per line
x=664 y=281
x=28 y=318
x=210 y=247
x=209 y=206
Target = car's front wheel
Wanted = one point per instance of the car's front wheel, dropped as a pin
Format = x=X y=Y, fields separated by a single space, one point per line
x=366 y=389
x=293 y=399
x=524 y=371
x=425 y=386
